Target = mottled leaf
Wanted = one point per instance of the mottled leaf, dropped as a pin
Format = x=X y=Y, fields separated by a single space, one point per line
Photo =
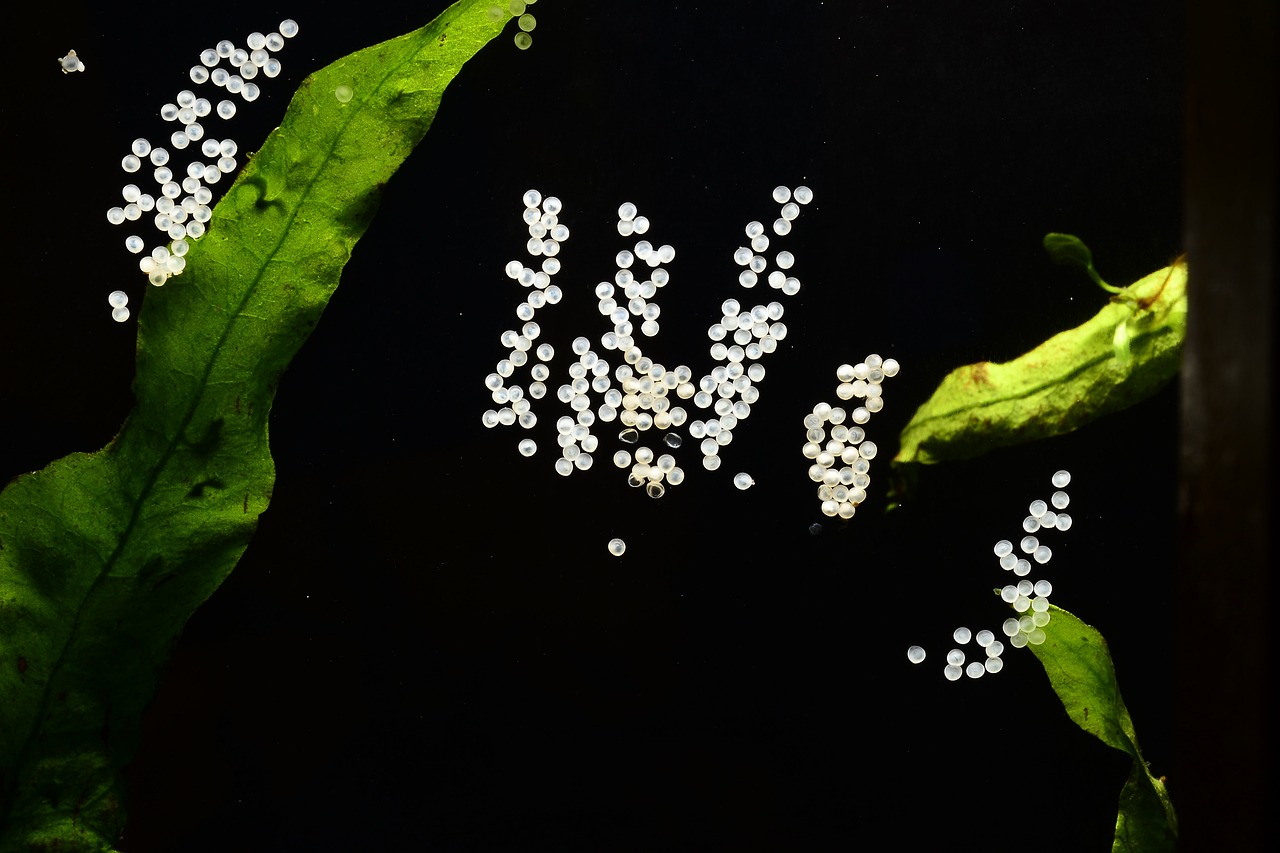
x=104 y=556
x=1124 y=354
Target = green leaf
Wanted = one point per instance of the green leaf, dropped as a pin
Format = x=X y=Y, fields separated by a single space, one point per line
x=1069 y=250
x=104 y=556
x=1066 y=382
x=1075 y=658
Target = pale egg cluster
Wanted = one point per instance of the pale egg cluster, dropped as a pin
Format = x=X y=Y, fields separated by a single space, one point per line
x=835 y=441
x=524 y=20
x=180 y=207
x=1030 y=599
x=646 y=398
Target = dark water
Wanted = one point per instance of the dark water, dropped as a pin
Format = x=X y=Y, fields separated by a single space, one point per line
x=427 y=642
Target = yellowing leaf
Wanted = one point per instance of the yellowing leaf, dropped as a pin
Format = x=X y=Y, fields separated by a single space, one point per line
x=1121 y=356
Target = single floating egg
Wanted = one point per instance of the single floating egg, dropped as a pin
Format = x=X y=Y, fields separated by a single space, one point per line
x=915 y=654
x=743 y=481
x=617 y=547
x=70 y=64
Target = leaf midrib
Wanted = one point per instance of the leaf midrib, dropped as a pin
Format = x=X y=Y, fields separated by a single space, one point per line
x=172 y=444
x=1047 y=383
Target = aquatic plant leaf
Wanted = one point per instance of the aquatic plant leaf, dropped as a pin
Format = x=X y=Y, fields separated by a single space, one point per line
x=104 y=556
x=1118 y=358
x=1069 y=250
x=1075 y=658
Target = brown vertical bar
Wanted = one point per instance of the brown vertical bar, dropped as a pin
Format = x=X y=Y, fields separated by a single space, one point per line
x=1224 y=745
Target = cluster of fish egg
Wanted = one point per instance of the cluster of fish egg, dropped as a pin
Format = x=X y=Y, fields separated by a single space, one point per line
x=642 y=401
x=1025 y=597
x=524 y=20
x=182 y=208
x=842 y=487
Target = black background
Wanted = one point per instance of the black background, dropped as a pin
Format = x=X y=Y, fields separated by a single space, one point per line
x=427 y=643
